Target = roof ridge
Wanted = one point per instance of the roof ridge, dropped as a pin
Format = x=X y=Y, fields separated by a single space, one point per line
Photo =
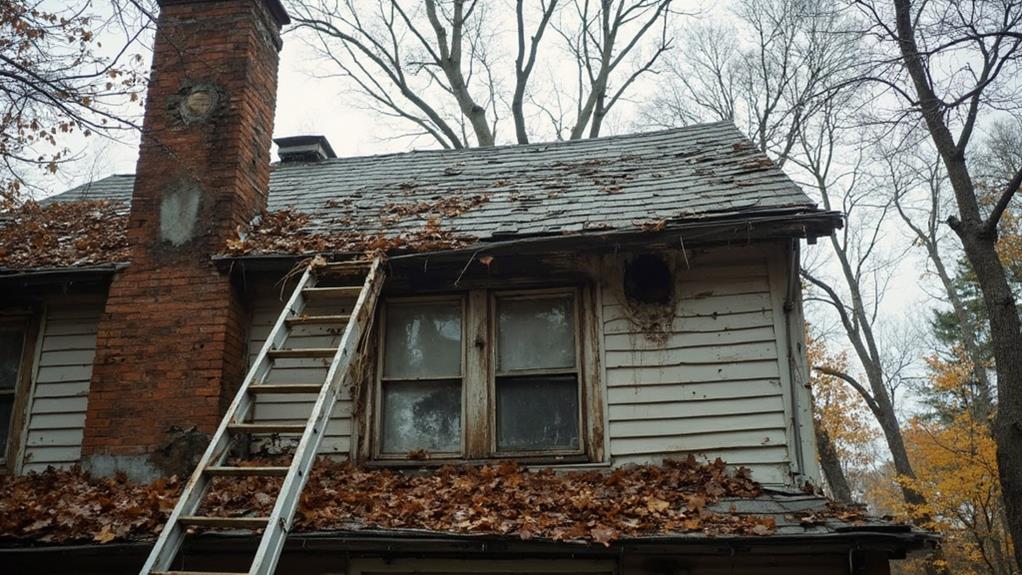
x=523 y=147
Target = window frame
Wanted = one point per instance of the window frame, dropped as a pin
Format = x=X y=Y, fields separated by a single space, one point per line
x=577 y=370
x=380 y=380
x=479 y=346
x=28 y=322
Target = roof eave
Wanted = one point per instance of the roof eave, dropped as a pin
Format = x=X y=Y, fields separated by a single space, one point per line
x=807 y=223
x=397 y=541
x=12 y=277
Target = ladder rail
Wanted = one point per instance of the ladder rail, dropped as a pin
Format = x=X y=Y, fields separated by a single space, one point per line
x=282 y=517
x=169 y=542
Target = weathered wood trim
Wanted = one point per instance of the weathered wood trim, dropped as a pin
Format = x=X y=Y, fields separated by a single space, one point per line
x=778 y=269
x=11 y=454
x=478 y=345
x=593 y=380
x=803 y=397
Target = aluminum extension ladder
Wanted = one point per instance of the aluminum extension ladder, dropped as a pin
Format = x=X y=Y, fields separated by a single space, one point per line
x=237 y=426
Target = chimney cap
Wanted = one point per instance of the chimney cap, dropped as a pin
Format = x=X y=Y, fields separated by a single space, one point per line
x=304 y=149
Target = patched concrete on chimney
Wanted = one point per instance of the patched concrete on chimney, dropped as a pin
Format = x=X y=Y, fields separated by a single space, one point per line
x=178 y=455
x=179 y=212
x=134 y=467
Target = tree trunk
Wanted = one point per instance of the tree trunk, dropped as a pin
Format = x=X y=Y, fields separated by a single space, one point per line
x=831 y=464
x=978 y=239
x=1006 y=337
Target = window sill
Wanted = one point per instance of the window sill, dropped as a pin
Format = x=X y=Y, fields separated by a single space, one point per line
x=529 y=461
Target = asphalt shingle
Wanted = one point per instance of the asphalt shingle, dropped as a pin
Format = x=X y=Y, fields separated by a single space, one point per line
x=617 y=182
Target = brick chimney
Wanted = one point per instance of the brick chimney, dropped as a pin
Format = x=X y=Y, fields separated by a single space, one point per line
x=171 y=342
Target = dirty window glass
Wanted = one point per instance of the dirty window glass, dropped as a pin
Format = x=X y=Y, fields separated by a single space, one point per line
x=535 y=334
x=421 y=387
x=421 y=415
x=11 y=340
x=536 y=413
x=423 y=340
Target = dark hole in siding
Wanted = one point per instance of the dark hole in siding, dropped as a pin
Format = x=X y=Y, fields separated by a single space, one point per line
x=648 y=280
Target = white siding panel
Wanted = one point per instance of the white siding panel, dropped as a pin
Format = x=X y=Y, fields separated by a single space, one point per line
x=722 y=372
x=295 y=408
x=693 y=391
x=699 y=409
x=56 y=409
x=708 y=382
x=700 y=443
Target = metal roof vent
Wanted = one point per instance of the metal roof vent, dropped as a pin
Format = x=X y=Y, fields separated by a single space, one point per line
x=304 y=149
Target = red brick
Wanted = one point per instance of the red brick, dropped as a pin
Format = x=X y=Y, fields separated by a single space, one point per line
x=162 y=359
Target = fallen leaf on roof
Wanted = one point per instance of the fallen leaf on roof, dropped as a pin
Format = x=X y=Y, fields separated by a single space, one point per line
x=501 y=499
x=288 y=232
x=63 y=234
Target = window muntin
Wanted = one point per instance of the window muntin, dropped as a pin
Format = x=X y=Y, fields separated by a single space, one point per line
x=536 y=380
x=12 y=341
x=421 y=388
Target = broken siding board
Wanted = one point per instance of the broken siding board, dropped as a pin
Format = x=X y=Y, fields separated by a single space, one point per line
x=723 y=372
x=706 y=323
x=690 y=339
x=649 y=427
x=705 y=307
x=694 y=391
x=736 y=352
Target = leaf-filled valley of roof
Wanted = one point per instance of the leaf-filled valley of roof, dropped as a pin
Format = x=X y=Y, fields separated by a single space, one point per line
x=63 y=234
x=57 y=507
x=416 y=226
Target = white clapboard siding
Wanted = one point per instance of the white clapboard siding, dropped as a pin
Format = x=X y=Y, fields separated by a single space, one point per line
x=295 y=408
x=710 y=383
x=56 y=409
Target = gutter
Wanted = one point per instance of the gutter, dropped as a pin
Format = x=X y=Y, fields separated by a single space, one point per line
x=53 y=275
x=431 y=543
x=689 y=233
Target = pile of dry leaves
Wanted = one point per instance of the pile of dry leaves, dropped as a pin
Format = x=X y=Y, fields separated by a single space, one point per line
x=287 y=232
x=63 y=234
x=503 y=498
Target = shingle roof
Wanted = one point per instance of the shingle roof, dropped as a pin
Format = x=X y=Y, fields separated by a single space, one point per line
x=618 y=182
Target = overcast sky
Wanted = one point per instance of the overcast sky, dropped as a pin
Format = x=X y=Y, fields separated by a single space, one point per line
x=310 y=104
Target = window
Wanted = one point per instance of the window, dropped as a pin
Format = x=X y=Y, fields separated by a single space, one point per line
x=484 y=374
x=537 y=374
x=12 y=373
x=421 y=387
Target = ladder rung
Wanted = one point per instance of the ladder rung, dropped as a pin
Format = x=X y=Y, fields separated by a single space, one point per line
x=247 y=471
x=268 y=427
x=343 y=265
x=317 y=319
x=332 y=292
x=236 y=522
x=198 y=573
x=309 y=352
x=286 y=388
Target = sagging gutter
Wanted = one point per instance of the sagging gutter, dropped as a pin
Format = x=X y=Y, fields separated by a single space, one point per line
x=692 y=233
